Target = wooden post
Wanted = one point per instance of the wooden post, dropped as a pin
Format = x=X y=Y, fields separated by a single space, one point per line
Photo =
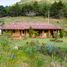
x=43 y=34
x=0 y=31
x=49 y=34
x=27 y=34
x=22 y=34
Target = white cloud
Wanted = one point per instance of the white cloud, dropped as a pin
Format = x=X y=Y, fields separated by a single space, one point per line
x=8 y=2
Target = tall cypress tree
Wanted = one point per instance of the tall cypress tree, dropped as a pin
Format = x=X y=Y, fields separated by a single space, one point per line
x=2 y=11
x=57 y=9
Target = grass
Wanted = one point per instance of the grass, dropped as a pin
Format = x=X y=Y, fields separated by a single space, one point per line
x=60 y=22
x=45 y=40
x=50 y=1
x=24 y=19
x=18 y=58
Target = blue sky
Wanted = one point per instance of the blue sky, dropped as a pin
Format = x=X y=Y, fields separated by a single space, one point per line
x=8 y=2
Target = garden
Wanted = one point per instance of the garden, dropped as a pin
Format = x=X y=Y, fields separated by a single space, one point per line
x=33 y=52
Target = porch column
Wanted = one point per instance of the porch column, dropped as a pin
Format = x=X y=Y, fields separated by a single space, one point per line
x=49 y=34
x=0 y=31
x=55 y=33
x=22 y=34
x=26 y=34
x=16 y=34
x=43 y=34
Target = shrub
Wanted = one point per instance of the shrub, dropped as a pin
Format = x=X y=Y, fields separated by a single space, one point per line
x=49 y=49
x=39 y=62
x=43 y=49
x=31 y=48
x=62 y=52
x=55 y=35
x=5 y=42
x=61 y=33
x=65 y=33
x=30 y=31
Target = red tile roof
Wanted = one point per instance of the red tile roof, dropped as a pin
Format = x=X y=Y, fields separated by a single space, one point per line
x=28 y=25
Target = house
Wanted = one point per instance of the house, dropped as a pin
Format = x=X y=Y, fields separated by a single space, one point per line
x=0 y=30
x=20 y=30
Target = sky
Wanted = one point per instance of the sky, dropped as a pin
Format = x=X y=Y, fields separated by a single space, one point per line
x=8 y=2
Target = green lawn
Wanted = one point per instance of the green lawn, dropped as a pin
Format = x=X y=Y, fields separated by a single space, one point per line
x=34 y=19
x=18 y=58
x=42 y=40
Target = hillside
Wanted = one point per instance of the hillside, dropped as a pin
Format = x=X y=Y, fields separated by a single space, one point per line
x=48 y=1
x=62 y=22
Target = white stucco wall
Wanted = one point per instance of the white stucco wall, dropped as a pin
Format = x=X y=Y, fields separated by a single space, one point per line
x=0 y=31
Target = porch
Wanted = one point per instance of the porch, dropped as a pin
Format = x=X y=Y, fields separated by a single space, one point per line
x=18 y=34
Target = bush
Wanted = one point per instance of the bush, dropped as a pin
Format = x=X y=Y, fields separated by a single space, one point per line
x=61 y=33
x=5 y=42
x=31 y=48
x=56 y=35
x=43 y=49
x=39 y=62
x=31 y=32
x=49 y=49
x=65 y=33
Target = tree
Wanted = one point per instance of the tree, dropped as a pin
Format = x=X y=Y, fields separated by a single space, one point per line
x=26 y=9
x=65 y=10
x=15 y=10
x=56 y=10
x=2 y=11
x=43 y=10
x=35 y=7
x=60 y=9
x=7 y=10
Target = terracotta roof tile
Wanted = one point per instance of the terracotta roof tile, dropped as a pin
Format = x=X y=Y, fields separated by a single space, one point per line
x=27 y=25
